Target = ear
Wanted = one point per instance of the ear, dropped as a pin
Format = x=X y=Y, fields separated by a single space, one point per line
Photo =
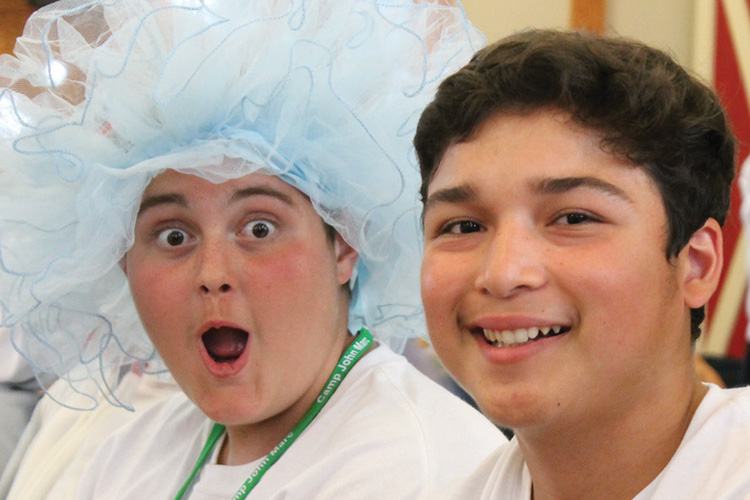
x=704 y=254
x=346 y=258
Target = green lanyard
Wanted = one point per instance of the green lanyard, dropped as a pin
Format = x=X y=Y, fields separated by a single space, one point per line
x=352 y=354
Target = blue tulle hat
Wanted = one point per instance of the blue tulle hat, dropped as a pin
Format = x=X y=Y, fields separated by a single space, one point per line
x=101 y=96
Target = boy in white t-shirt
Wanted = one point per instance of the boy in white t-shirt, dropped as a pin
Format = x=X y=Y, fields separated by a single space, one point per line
x=241 y=175
x=574 y=188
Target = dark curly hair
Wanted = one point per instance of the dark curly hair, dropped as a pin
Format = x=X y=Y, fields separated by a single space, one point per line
x=647 y=109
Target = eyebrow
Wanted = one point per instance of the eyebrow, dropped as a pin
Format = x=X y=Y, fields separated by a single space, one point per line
x=161 y=199
x=564 y=184
x=455 y=194
x=261 y=191
x=178 y=199
x=544 y=186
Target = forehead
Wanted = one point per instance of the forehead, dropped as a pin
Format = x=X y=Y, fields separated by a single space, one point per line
x=534 y=151
x=173 y=188
x=174 y=180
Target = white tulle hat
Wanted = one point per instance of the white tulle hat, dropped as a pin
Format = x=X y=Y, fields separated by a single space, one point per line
x=101 y=96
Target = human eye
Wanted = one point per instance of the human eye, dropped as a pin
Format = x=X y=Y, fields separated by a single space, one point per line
x=575 y=218
x=259 y=229
x=172 y=237
x=461 y=227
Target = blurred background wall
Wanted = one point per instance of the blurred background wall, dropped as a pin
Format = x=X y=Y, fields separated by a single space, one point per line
x=667 y=24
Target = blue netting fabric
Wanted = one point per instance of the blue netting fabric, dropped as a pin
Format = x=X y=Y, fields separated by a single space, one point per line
x=101 y=96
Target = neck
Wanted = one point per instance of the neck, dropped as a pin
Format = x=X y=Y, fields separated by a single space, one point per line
x=614 y=457
x=246 y=443
x=249 y=442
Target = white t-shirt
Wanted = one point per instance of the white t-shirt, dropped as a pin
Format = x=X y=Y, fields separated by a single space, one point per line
x=13 y=367
x=388 y=432
x=711 y=463
x=58 y=443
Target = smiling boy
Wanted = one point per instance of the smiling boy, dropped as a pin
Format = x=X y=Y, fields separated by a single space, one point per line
x=574 y=190
x=231 y=185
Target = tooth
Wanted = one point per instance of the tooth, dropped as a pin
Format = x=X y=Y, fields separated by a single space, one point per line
x=533 y=333
x=545 y=330
x=522 y=335
x=508 y=337
x=556 y=329
x=489 y=335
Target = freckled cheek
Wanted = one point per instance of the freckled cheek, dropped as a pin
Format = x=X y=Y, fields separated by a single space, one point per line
x=155 y=293
x=308 y=274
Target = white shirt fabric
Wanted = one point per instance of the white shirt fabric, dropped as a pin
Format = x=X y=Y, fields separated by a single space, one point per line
x=388 y=432
x=13 y=367
x=712 y=462
x=19 y=393
x=58 y=444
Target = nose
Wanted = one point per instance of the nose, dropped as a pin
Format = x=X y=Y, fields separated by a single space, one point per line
x=223 y=288
x=512 y=262
x=214 y=274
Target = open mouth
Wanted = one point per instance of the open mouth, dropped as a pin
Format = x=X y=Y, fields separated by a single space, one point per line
x=225 y=344
x=521 y=336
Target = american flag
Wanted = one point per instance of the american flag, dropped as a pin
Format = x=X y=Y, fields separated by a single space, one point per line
x=723 y=30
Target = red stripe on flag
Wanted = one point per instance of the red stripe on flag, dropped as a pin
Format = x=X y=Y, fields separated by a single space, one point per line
x=728 y=83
